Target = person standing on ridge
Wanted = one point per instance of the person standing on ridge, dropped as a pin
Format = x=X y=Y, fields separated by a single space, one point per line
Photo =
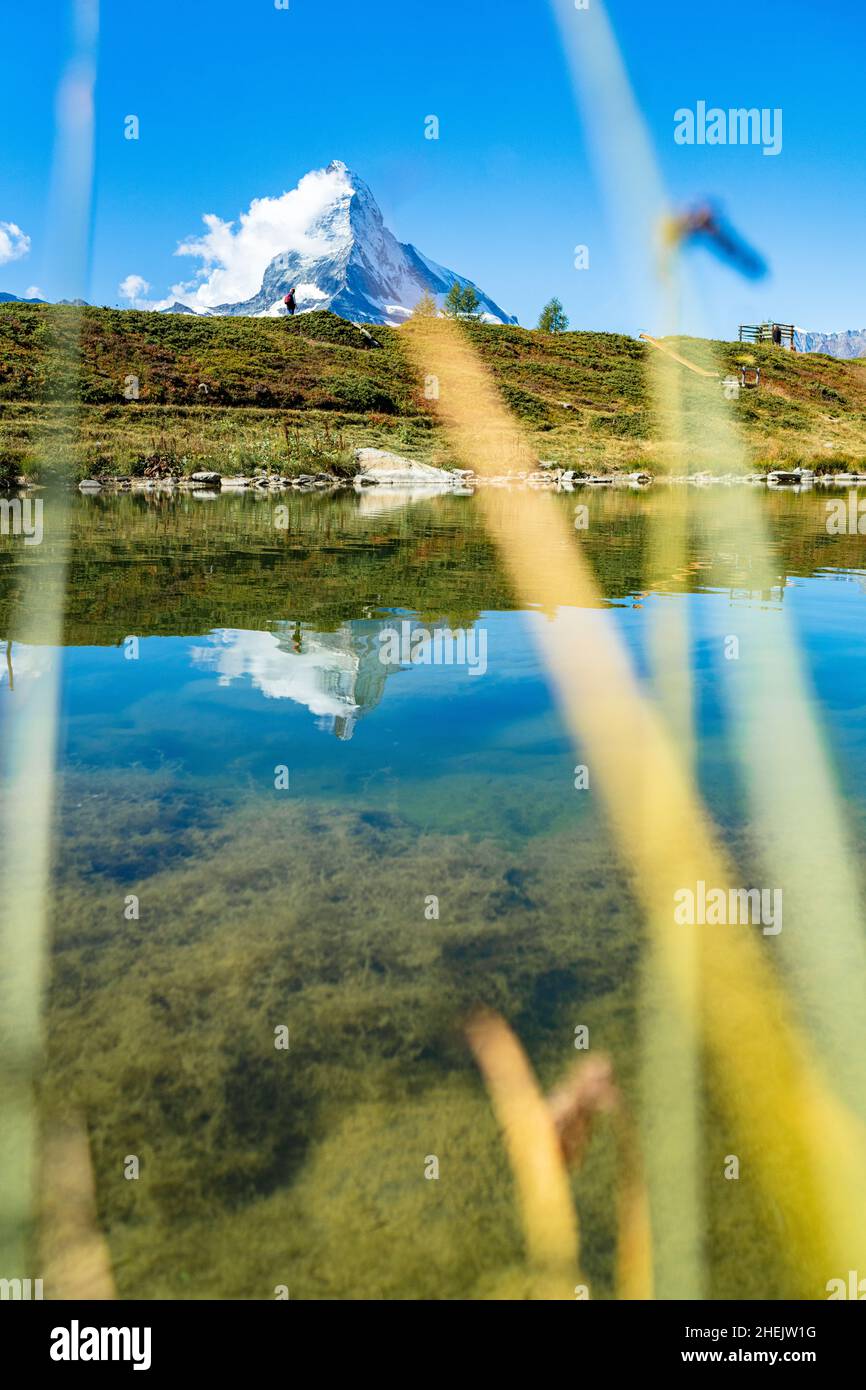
x=290 y=302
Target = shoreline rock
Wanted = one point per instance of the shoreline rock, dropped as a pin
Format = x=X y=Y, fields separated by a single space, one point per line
x=378 y=466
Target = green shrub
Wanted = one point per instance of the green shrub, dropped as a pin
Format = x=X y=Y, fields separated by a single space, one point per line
x=361 y=395
x=634 y=424
x=10 y=468
x=526 y=406
x=324 y=327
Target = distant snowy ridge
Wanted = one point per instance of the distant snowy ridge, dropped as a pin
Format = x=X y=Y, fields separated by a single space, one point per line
x=850 y=343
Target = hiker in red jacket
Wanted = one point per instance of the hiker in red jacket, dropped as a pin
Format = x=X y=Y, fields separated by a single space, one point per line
x=289 y=302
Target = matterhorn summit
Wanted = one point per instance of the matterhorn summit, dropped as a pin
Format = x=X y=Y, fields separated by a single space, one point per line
x=342 y=257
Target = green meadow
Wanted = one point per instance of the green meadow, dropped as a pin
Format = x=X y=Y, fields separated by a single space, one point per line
x=236 y=394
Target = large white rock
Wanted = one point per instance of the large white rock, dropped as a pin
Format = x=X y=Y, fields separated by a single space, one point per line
x=378 y=466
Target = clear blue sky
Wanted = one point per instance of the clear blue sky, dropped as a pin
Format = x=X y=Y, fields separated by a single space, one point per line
x=237 y=99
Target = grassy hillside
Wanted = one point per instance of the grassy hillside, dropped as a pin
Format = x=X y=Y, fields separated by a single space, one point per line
x=237 y=393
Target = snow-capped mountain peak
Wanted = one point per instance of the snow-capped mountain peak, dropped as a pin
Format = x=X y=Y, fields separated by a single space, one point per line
x=343 y=257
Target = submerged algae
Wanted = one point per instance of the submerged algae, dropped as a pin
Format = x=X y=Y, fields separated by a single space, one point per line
x=263 y=1167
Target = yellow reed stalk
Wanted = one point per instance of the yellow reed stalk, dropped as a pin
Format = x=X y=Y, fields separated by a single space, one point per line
x=75 y=1259
x=535 y=1153
x=31 y=724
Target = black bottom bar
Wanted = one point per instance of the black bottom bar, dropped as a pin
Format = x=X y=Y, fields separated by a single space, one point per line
x=282 y=1338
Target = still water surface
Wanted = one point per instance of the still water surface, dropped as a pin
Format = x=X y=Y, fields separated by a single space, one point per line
x=259 y=659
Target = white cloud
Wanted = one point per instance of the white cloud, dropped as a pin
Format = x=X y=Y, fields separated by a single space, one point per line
x=13 y=242
x=34 y=292
x=28 y=665
x=133 y=288
x=323 y=677
x=236 y=254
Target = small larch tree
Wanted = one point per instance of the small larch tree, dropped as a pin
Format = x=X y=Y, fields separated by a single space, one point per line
x=553 y=318
x=461 y=302
x=426 y=307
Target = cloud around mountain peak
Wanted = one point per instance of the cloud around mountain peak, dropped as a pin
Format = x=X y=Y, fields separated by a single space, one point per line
x=236 y=254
